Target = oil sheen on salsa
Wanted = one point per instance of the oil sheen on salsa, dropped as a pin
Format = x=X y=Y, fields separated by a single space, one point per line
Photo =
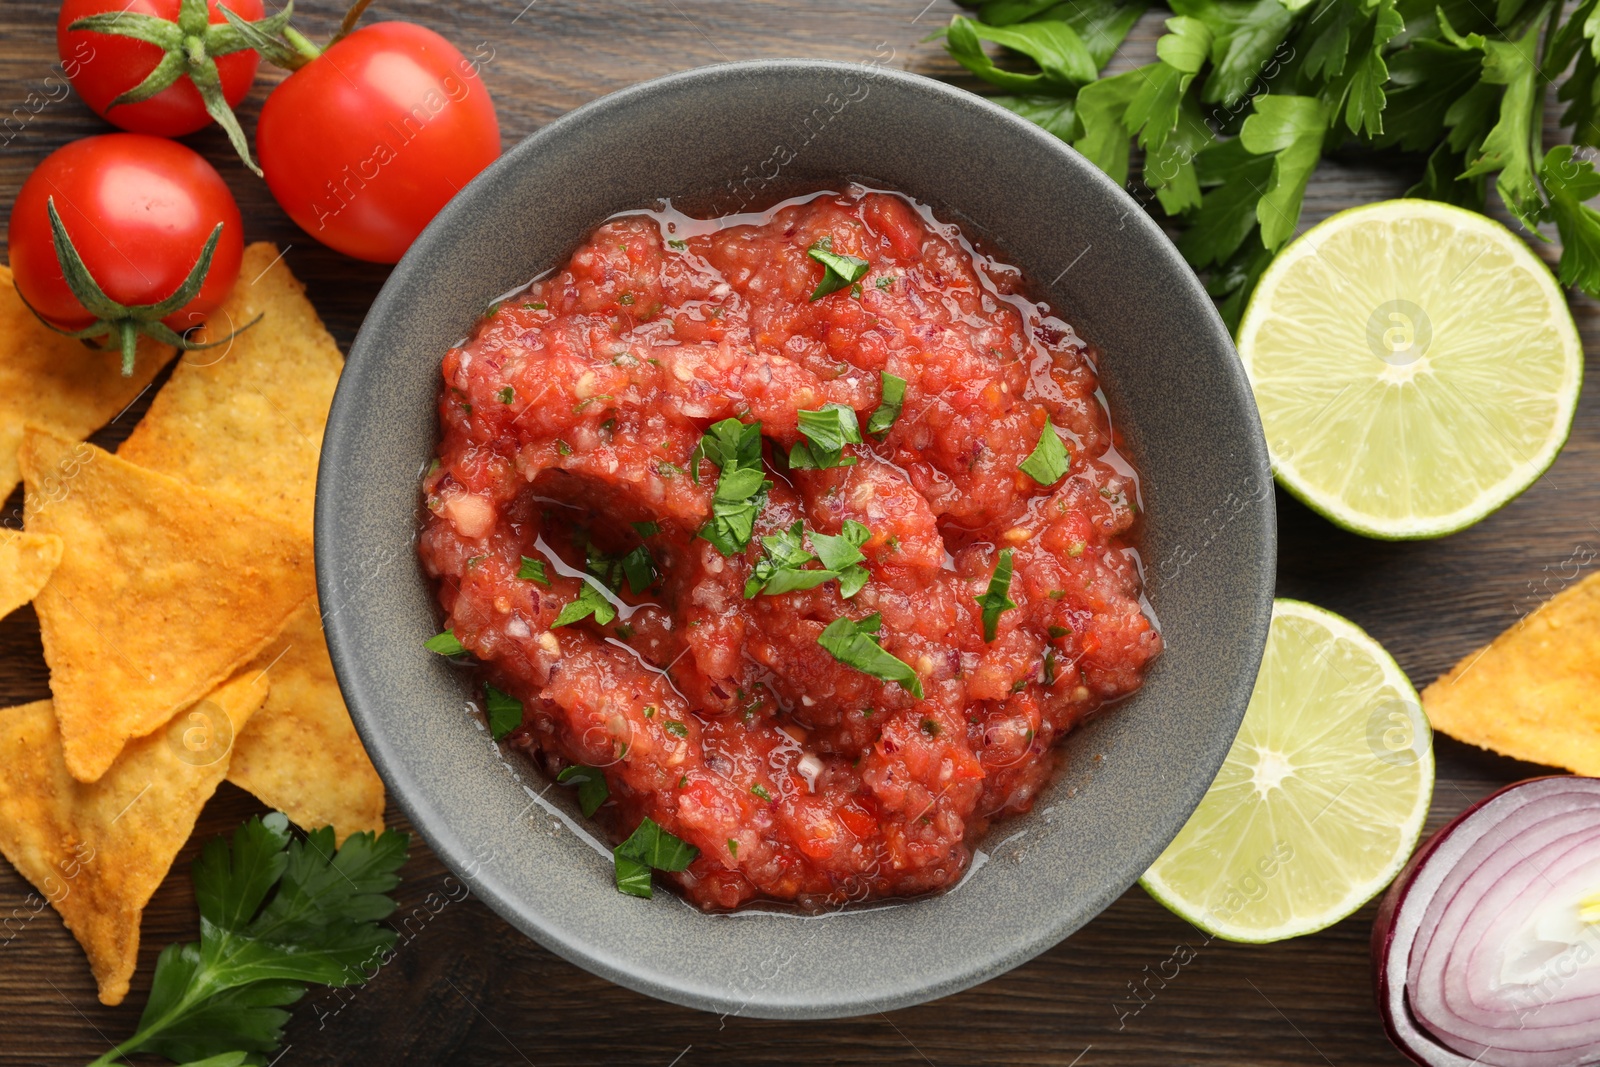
x=572 y=424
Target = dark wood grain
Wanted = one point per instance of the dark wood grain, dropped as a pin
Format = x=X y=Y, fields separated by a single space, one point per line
x=466 y=989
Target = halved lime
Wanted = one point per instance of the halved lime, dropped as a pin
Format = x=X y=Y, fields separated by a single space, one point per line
x=1322 y=797
x=1415 y=366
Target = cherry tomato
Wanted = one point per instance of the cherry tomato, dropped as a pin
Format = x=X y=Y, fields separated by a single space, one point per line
x=363 y=145
x=102 y=66
x=138 y=210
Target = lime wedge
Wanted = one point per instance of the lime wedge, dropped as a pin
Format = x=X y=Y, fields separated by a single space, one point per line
x=1322 y=797
x=1415 y=366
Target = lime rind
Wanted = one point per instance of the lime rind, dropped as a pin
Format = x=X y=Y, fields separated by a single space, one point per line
x=1343 y=433
x=1345 y=803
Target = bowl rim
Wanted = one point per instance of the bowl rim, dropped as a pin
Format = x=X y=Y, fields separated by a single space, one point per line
x=412 y=796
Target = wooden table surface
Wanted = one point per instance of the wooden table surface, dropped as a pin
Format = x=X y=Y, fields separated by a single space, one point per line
x=465 y=988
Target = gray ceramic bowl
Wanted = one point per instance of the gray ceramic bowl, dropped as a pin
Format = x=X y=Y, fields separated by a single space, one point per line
x=1175 y=387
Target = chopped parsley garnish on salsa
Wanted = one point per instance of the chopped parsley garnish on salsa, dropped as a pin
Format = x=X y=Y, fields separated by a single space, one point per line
x=590 y=601
x=782 y=569
x=533 y=570
x=839 y=271
x=646 y=529
x=855 y=644
x=841 y=554
x=734 y=447
x=445 y=644
x=994 y=600
x=675 y=728
x=505 y=711
x=894 y=397
x=592 y=788
x=827 y=431
x=507 y=395
x=649 y=847
x=1049 y=459
x=761 y=791
x=640 y=569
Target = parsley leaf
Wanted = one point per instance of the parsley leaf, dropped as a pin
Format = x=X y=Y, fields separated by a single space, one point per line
x=533 y=570
x=839 y=271
x=1244 y=38
x=1227 y=214
x=841 y=554
x=888 y=410
x=592 y=788
x=1062 y=56
x=1358 y=87
x=1291 y=129
x=1054 y=114
x=640 y=569
x=827 y=430
x=276 y=915
x=445 y=644
x=590 y=601
x=1508 y=147
x=1570 y=182
x=735 y=449
x=649 y=847
x=855 y=645
x=1153 y=111
x=994 y=600
x=1049 y=459
x=505 y=712
x=1102 y=106
x=645 y=529
x=782 y=569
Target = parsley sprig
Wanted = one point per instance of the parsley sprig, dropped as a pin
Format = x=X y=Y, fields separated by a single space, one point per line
x=276 y=914
x=1246 y=97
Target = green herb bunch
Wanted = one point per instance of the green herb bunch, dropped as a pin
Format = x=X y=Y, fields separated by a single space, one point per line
x=1247 y=96
x=277 y=915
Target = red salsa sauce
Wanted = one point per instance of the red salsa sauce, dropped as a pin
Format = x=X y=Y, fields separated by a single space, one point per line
x=572 y=424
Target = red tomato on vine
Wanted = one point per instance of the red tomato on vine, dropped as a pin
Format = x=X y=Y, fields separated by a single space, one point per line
x=363 y=144
x=165 y=67
x=125 y=234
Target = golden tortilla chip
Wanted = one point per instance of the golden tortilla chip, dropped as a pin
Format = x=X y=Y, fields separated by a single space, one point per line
x=54 y=382
x=249 y=422
x=164 y=591
x=300 y=753
x=1534 y=692
x=26 y=562
x=98 y=850
x=246 y=419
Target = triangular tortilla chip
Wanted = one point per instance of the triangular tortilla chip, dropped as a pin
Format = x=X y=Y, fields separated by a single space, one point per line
x=249 y=422
x=300 y=753
x=54 y=382
x=247 y=418
x=98 y=850
x=164 y=591
x=26 y=562
x=1534 y=692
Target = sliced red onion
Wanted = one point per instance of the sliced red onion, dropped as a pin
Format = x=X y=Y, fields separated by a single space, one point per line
x=1485 y=951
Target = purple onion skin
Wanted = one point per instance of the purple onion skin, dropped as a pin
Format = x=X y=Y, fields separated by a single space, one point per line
x=1389 y=907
